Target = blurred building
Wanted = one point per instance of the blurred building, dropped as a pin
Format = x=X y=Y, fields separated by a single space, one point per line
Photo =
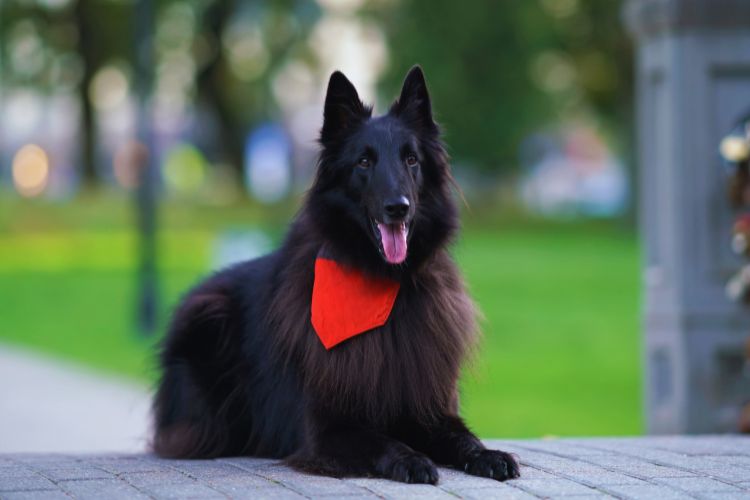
x=572 y=173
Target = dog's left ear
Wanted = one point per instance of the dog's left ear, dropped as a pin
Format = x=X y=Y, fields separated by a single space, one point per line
x=413 y=105
x=343 y=109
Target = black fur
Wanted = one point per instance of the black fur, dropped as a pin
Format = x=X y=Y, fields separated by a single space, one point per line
x=244 y=372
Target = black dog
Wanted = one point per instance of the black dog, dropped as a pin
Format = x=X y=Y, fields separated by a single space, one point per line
x=244 y=372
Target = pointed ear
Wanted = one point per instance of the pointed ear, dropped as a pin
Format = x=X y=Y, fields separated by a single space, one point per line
x=413 y=105
x=343 y=109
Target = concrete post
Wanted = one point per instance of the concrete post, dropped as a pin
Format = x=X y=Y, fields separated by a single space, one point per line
x=693 y=83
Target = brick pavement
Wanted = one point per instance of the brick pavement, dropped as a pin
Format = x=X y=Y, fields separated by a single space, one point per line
x=715 y=467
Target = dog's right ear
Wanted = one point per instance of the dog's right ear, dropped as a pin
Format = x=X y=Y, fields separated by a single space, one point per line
x=414 y=102
x=343 y=109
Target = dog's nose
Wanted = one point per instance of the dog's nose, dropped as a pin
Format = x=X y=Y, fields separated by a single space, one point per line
x=397 y=207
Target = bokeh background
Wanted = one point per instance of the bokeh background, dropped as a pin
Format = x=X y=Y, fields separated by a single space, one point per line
x=198 y=119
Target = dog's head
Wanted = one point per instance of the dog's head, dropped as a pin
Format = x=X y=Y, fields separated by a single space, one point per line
x=382 y=190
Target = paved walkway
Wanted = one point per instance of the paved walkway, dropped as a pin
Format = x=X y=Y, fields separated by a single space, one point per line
x=51 y=406
x=661 y=468
x=48 y=405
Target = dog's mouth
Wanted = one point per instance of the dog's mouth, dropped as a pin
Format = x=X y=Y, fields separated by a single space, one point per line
x=392 y=240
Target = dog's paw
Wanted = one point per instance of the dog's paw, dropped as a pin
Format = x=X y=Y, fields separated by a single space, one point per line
x=414 y=468
x=493 y=464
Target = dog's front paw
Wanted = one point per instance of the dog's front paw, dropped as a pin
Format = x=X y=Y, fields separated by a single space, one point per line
x=414 y=468
x=493 y=464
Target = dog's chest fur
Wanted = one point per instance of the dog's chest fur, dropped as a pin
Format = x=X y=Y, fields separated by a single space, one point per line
x=407 y=367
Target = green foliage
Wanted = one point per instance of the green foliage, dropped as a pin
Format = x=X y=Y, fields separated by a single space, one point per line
x=475 y=61
x=498 y=70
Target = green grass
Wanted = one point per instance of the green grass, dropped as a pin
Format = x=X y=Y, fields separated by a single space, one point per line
x=560 y=300
x=560 y=349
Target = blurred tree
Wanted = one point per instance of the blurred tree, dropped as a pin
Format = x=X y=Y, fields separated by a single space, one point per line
x=263 y=34
x=96 y=31
x=499 y=70
x=211 y=82
x=602 y=56
x=87 y=50
x=102 y=35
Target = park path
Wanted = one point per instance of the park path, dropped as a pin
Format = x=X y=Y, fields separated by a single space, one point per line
x=661 y=468
x=48 y=405
x=88 y=433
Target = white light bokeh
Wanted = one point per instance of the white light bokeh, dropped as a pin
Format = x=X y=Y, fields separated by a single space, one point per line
x=30 y=170
x=109 y=88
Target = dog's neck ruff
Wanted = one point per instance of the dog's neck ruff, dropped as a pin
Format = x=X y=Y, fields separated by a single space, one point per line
x=347 y=302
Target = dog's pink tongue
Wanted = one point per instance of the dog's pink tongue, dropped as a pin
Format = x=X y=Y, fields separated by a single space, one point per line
x=393 y=237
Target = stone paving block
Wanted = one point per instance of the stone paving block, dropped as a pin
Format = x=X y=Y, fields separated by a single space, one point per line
x=728 y=473
x=557 y=466
x=275 y=493
x=15 y=471
x=722 y=495
x=549 y=487
x=230 y=484
x=594 y=496
x=680 y=461
x=629 y=468
x=697 y=484
x=738 y=460
x=44 y=458
x=646 y=470
x=616 y=462
x=182 y=490
x=82 y=472
x=250 y=463
x=655 y=456
x=528 y=472
x=537 y=459
x=307 y=484
x=564 y=448
x=21 y=483
x=646 y=492
x=146 y=479
x=166 y=462
x=209 y=470
x=708 y=445
x=35 y=495
x=391 y=489
x=94 y=489
x=606 y=446
x=603 y=477
x=126 y=464
x=497 y=493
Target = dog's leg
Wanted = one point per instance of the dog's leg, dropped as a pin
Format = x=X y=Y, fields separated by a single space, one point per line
x=341 y=450
x=449 y=442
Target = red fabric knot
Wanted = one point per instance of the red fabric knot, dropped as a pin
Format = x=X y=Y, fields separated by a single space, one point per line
x=347 y=302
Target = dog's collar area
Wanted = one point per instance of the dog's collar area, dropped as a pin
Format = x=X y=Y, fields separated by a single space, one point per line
x=346 y=302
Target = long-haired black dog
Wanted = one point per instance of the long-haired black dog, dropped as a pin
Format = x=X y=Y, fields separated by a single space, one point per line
x=244 y=372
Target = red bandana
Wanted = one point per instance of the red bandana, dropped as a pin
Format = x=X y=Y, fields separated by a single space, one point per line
x=346 y=302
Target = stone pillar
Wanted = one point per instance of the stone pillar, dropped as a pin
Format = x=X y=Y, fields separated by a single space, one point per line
x=693 y=84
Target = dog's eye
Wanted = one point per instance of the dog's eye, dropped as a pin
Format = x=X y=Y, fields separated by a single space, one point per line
x=364 y=162
x=411 y=160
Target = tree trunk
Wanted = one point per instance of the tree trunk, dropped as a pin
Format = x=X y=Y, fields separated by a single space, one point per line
x=88 y=171
x=210 y=84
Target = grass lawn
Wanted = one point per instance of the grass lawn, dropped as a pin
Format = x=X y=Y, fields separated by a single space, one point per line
x=560 y=303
